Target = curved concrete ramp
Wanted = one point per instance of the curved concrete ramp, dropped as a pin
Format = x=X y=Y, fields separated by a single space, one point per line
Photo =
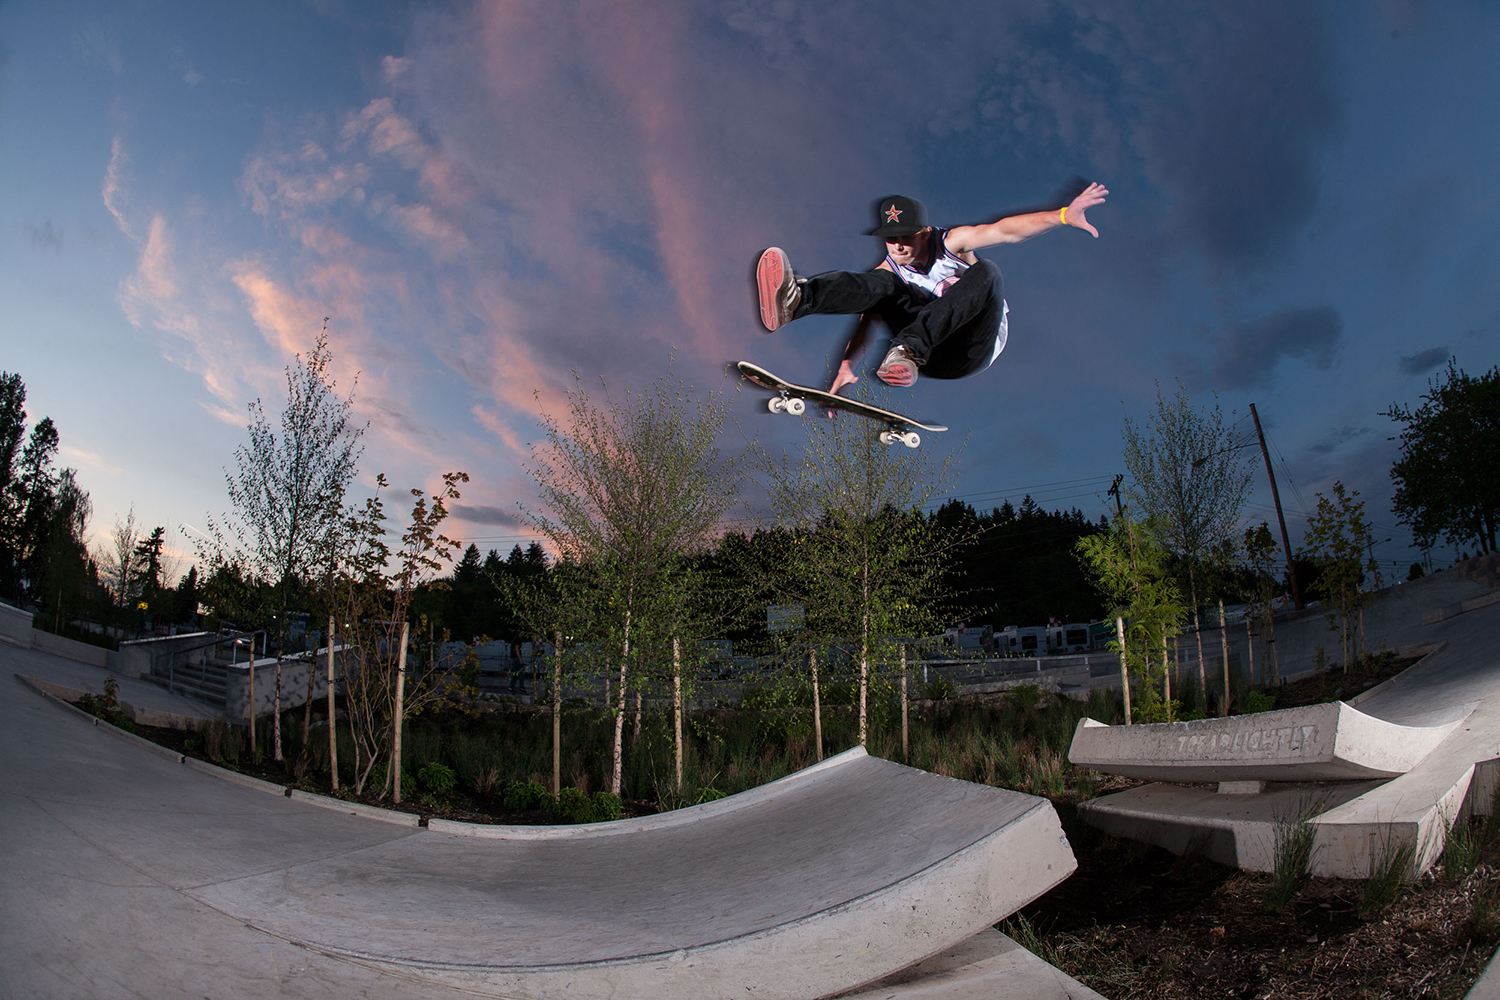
x=129 y=873
x=809 y=886
x=1332 y=742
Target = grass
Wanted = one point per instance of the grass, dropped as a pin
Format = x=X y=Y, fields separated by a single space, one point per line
x=1294 y=847
x=1390 y=869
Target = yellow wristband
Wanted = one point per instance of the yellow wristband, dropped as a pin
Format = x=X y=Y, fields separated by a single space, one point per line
x=1062 y=217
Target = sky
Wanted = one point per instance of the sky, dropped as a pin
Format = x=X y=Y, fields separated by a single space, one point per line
x=496 y=203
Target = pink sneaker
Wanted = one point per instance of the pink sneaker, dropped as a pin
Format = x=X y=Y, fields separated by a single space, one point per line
x=779 y=292
x=898 y=369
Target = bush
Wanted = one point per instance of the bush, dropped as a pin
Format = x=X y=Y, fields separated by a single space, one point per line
x=437 y=778
x=524 y=796
x=1259 y=701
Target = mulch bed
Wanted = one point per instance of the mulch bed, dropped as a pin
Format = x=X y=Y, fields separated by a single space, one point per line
x=1136 y=921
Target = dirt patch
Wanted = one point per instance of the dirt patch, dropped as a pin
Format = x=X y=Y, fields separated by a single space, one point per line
x=1136 y=921
x=1334 y=684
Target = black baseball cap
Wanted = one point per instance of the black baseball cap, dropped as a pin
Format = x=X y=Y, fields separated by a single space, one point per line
x=897 y=215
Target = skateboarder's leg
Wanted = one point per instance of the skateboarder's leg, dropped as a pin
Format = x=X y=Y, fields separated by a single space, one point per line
x=955 y=335
x=849 y=293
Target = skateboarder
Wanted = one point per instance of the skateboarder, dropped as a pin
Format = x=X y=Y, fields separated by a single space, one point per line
x=944 y=306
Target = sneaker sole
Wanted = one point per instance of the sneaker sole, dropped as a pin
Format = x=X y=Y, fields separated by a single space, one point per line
x=899 y=376
x=770 y=275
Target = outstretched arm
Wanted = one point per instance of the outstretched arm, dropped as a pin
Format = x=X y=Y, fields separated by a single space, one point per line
x=859 y=337
x=1019 y=228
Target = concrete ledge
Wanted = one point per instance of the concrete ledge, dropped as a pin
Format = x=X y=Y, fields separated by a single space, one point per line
x=140 y=716
x=65 y=696
x=987 y=966
x=1332 y=742
x=225 y=774
x=661 y=821
x=394 y=816
x=1454 y=610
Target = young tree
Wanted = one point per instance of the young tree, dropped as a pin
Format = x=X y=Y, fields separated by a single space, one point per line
x=1448 y=477
x=859 y=554
x=1189 y=482
x=1260 y=552
x=1338 y=539
x=286 y=487
x=1130 y=568
x=629 y=491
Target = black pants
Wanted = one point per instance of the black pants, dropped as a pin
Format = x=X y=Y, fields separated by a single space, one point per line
x=951 y=336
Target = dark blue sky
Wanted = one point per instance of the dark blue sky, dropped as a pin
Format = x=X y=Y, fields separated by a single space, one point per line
x=488 y=198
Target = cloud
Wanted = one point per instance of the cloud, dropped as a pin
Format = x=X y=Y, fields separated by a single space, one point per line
x=98 y=38
x=1336 y=440
x=493 y=516
x=1424 y=361
x=1249 y=352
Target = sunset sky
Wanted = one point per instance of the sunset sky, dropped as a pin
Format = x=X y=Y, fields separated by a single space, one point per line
x=487 y=198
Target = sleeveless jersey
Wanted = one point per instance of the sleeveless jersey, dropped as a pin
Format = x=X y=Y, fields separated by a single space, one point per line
x=947 y=267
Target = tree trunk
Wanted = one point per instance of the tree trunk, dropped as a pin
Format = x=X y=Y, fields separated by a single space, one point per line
x=1166 y=676
x=614 y=774
x=1250 y=649
x=556 y=715
x=864 y=659
x=333 y=743
x=905 y=750
x=677 y=706
x=400 y=714
x=1198 y=635
x=812 y=658
x=1224 y=648
x=254 y=755
x=276 y=711
x=1124 y=668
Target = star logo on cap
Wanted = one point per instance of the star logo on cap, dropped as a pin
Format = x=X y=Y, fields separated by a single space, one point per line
x=893 y=214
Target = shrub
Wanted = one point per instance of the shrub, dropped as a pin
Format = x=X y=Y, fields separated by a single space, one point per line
x=1461 y=850
x=523 y=796
x=437 y=778
x=1294 y=846
x=1259 y=701
x=939 y=688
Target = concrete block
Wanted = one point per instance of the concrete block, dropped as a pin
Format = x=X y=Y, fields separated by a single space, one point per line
x=1332 y=742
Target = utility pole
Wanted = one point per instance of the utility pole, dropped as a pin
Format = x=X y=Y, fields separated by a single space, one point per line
x=1286 y=544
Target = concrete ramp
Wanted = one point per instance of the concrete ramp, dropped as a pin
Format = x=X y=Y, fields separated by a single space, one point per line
x=1333 y=742
x=133 y=873
x=809 y=886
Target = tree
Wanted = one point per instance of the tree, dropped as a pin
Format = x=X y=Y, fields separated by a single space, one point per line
x=1130 y=568
x=1260 y=552
x=859 y=554
x=384 y=684
x=1448 y=477
x=288 y=488
x=1338 y=538
x=1189 y=484
x=629 y=491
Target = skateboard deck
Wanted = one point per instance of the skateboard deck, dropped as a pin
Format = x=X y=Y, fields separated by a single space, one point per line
x=793 y=398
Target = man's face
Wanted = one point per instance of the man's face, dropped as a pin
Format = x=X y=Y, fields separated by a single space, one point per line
x=906 y=249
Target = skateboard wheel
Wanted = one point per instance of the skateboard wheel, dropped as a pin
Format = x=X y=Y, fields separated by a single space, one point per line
x=888 y=437
x=796 y=407
x=911 y=439
x=775 y=404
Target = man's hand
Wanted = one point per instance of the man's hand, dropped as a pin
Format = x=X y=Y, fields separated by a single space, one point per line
x=844 y=377
x=1090 y=196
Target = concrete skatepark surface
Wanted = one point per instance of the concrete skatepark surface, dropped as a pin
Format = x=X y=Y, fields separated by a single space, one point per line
x=128 y=874
x=1358 y=824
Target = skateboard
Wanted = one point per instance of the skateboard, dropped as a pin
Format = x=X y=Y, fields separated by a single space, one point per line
x=793 y=398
